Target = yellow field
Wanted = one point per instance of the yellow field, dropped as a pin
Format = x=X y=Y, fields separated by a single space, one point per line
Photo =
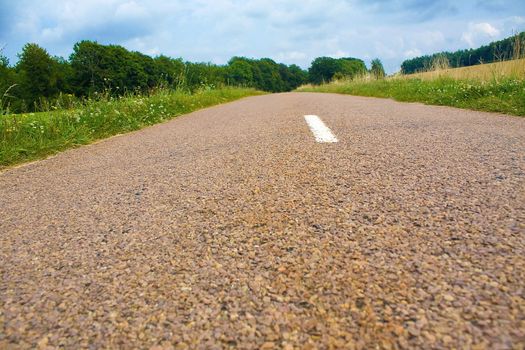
x=489 y=71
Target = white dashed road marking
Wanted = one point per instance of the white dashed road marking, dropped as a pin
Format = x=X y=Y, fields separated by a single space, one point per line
x=321 y=132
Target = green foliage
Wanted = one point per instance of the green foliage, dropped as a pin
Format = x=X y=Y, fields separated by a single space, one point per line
x=240 y=72
x=44 y=82
x=270 y=77
x=86 y=62
x=265 y=74
x=203 y=75
x=110 y=67
x=99 y=67
x=505 y=96
x=4 y=61
x=39 y=76
x=8 y=82
x=325 y=69
x=169 y=72
x=296 y=77
x=377 y=70
x=496 y=51
x=64 y=75
x=29 y=136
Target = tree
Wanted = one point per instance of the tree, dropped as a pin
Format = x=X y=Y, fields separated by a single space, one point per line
x=64 y=75
x=351 y=67
x=198 y=75
x=270 y=77
x=377 y=69
x=297 y=77
x=8 y=84
x=496 y=51
x=110 y=68
x=324 y=69
x=93 y=67
x=169 y=71
x=265 y=74
x=240 y=72
x=7 y=74
x=38 y=74
x=146 y=69
x=86 y=61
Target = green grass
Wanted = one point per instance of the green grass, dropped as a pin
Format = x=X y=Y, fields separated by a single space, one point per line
x=25 y=137
x=505 y=95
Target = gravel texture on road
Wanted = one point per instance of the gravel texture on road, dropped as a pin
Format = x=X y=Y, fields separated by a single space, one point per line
x=232 y=228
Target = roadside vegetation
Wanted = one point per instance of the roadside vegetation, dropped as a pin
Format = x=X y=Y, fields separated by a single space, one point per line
x=493 y=87
x=505 y=96
x=31 y=136
x=49 y=104
x=41 y=82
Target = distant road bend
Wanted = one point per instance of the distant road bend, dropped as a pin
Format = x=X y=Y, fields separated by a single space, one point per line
x=254 y=225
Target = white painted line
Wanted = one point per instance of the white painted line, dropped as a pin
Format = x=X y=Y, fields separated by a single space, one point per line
x=321 y=132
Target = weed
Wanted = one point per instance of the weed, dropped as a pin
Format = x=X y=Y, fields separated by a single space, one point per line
x=4 y=100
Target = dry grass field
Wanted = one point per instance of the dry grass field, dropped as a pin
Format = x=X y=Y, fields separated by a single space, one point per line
x=483 y=72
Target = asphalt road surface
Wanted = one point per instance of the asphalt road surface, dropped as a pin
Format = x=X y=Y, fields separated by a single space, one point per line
x=232 y=227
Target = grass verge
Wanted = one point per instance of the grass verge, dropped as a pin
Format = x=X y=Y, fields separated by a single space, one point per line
x=25 y=137
x=505 y=95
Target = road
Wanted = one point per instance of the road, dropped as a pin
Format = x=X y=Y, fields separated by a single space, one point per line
x=232 y=227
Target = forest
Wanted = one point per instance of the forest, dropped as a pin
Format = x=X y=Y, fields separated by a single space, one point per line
x=496 y=51
x=40 y=81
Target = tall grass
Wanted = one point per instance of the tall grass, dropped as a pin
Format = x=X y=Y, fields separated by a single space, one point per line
x=4 y=100
x=30 y=136
x=507 y=96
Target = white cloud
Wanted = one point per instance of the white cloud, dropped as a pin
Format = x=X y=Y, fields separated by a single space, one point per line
x=79 y=14
x=339 y=54
x=130 y=10
x=479 y=31
x=52 y=34
x=142 y=44
x=486 y=28
x=433 y=38
x=291 y=56
x=412 y=53
x=386 y=50
x=290 y=31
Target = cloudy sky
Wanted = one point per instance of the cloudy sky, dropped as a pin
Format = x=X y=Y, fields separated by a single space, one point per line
x=290 y=31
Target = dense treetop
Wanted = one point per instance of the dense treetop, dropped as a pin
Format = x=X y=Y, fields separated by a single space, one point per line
x=38 y=78
x=325 y=69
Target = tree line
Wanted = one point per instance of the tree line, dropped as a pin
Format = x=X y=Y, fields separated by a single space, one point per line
x=496 y=51
x=39 y=78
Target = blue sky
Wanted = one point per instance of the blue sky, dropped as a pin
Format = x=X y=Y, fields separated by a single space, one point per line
x=290 y=31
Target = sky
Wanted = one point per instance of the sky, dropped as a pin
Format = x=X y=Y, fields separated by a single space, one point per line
x=288 y=31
